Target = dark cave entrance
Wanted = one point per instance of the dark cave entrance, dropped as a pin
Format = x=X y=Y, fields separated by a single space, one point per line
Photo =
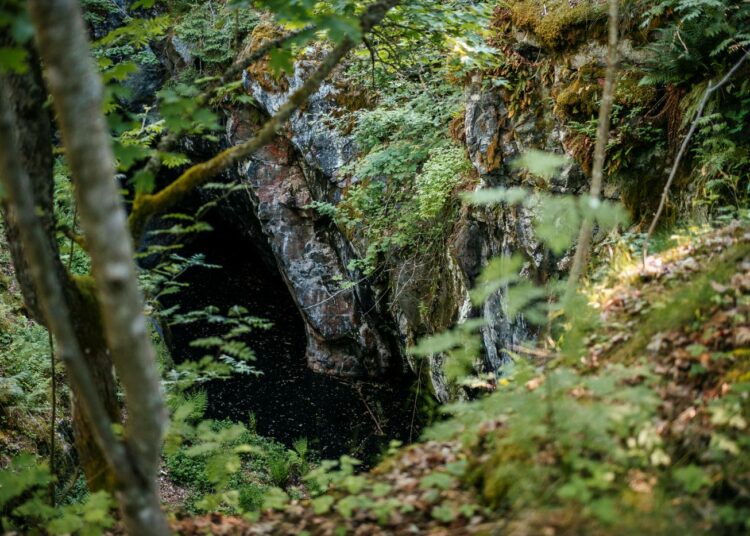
x=288 y=401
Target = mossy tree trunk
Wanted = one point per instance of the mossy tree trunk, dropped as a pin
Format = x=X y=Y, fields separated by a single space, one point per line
x=26 y=95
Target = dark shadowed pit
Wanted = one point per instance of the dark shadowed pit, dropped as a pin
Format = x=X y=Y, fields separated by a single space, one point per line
x=287 y=401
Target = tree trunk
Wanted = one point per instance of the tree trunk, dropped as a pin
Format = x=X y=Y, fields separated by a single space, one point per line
x=77 y=93
x=26 y=96
x=580 y=258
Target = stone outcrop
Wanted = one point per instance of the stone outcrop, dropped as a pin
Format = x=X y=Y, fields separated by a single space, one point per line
x=342 y=337
x=314 y=261
x=363 y=329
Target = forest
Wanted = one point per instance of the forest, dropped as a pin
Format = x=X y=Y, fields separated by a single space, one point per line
x=374 y=267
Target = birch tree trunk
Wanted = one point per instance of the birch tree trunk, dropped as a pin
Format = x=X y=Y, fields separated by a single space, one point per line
x=77 y=94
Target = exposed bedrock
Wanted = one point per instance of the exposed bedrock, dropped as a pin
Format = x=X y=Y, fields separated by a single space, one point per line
x=343 y=335
x=361 y=329
x=351 y=331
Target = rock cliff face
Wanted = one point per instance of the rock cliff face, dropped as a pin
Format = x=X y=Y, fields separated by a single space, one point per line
x=362 y=330
x=353 y=331
x=343 y=337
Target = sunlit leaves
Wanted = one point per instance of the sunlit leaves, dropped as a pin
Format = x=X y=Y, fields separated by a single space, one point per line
x=173 y=160
x=460 y=345
x=494 y=196
x=499 y=272
x=25 y=481
x=142 y=4
x=22 y=474
x=540 y=163
x=137 y=32
x=556 y=218
x=181 y=112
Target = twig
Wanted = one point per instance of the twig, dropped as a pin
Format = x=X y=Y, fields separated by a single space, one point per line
x=53 y=417
x=673 y=173
x=374 y=418
x=416 y=399
x=372 y=59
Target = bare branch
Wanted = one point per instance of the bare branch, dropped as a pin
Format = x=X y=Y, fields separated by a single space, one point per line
x=673 y=173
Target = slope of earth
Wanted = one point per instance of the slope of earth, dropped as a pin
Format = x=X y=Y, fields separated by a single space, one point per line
x=642 y=431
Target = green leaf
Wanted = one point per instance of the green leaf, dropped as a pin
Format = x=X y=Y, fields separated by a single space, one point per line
x=443 y=513
x=494 y=196
x=68 y=523
x=692 y=478
x=281 y=60
x=605 y=510
x=436 y=344
x=23 y=473
x=202 y=449
x=339 y=28
x=207 y=342
x=173 y=160
x=540 y=163
x=275 y=499
x=437 y=480
x=14 y=60
x=322 y=505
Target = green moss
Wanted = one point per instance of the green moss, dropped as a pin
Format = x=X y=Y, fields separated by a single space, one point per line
x=260 y=70
x=557 y=24
x=631 y=93
x=579 y=99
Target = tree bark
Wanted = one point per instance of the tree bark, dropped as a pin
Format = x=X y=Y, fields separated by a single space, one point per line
x=40 y=260
x=26 y=95
x=77 y=92
x=600 y=150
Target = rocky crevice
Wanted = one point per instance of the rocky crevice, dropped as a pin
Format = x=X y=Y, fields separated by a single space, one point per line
x=361 y=330
x=342 y=338
x=313 y=254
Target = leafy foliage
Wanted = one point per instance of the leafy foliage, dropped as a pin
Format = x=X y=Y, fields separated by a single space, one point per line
x=405 y=176
x=214 y=33
x=225 y=465
x=24 y=505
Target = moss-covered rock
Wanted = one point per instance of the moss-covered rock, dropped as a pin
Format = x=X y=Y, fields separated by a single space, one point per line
x=260 y=70
x=631 y=93
x=560 y=24
x=580 y=98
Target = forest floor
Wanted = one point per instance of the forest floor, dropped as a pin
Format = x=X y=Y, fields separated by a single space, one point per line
x=686 y=310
